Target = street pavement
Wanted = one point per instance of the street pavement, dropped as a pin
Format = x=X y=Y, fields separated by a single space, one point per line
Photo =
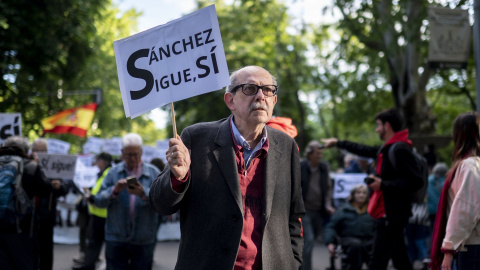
x=166 y=256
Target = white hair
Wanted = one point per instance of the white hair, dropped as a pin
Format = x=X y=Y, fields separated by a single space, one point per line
x=132 y=139
x=18 y=141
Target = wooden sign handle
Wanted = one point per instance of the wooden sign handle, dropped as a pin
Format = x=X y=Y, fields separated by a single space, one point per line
x=174 y=124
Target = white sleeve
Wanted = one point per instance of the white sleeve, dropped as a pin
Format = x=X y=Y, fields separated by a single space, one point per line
x=465 y=211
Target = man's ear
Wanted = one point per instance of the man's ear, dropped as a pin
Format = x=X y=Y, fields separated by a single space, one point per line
x=228 y=98
x=388 y=127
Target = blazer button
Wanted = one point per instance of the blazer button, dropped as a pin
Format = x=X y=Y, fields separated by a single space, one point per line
x=234 y=217
x=224 y=250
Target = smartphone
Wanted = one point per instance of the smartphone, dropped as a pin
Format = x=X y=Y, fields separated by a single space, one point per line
x=131 y=181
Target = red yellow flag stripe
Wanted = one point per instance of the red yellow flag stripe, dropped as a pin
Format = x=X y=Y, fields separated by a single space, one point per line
x=75 y=121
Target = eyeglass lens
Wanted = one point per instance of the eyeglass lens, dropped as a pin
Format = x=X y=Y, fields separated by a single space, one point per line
x=252 y=89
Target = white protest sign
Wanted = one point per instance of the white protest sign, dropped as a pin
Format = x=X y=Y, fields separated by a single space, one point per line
x=171 y=62
x=113 y=146
x=57 y=166
x=10 y=125
x=87 y=160
x=149 y=153
x=344 y=182
x=93 y=145
x=162 y=147
x=55 y=146
x=85 y=176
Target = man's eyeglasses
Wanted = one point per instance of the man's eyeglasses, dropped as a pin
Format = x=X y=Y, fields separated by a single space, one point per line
x=252 y=89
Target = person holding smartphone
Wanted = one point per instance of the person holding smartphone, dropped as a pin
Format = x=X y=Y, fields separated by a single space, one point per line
x=131 y=225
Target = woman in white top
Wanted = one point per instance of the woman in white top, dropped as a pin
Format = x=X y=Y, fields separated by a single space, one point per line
x=457 y=226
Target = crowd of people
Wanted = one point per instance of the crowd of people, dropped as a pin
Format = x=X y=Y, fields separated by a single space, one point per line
x=247 y=200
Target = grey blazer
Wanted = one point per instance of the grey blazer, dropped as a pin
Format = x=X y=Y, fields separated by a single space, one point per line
x=211 y=205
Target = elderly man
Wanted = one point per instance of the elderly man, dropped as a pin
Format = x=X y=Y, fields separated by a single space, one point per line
x=317 y=195
x=131 y=225
x=236 y=183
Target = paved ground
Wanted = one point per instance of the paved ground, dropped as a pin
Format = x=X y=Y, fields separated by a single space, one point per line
x=166 y=256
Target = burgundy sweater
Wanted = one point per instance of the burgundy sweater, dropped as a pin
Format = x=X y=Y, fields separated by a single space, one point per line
x=249 y=256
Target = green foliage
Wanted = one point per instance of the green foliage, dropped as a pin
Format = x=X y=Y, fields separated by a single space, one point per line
x=262 y=39
x=67 y=45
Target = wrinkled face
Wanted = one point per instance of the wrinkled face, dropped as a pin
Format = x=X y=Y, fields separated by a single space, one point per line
x=256 y=109
x=132 y=155
x=380 y=129
x=360 y=195
x=39 y=147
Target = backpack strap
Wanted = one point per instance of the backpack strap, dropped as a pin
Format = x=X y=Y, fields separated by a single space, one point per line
x=391 y=154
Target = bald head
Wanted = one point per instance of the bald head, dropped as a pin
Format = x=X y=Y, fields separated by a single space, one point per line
x=236 y=76
x=39 y=146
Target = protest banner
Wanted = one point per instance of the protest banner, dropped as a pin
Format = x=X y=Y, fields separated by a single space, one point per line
x=162 y=147
x=85 y=175
x=93 y=145
x=113 y=146
x=149 y=153
x=171 y=62
x=57 y=166
x=87 y=160
x=344 y=182
x=55 y=146
x=10 y=125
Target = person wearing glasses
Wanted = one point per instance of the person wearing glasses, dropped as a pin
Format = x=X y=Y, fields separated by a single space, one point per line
x=131 y=225
x=236 y=183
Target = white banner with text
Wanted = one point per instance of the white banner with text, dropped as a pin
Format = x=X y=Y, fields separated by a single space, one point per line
x=57 y=166
x=10 y=125
x=171 y=62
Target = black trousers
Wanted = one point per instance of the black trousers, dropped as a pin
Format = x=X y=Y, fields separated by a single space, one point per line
x=45 y=242
x=18 y=251
x=95 y=238
x=389 y=243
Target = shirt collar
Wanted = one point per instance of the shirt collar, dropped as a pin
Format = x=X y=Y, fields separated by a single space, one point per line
x=240 y=142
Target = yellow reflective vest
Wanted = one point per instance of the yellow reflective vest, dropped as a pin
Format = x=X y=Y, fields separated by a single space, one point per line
x=97 y=211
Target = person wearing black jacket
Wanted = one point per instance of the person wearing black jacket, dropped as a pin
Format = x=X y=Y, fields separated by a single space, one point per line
x=317 y=197
x=47 y=212
x=18 y=244
x=393 y=188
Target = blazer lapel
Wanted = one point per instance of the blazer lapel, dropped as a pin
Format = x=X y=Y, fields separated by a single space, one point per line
x=272 y=159
x=227 y=163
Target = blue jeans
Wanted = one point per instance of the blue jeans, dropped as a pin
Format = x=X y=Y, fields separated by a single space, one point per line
x=310 y=222
x=124 y=256
x=469 y=259
x=417 y=238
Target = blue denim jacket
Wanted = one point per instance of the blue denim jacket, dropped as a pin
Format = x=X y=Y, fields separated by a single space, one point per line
x=119 y=227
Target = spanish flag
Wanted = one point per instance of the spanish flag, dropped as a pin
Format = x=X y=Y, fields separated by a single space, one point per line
x=75 y=121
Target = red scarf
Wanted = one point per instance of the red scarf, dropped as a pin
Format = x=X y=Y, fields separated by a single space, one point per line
x=376 y=204
x=440 y=226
